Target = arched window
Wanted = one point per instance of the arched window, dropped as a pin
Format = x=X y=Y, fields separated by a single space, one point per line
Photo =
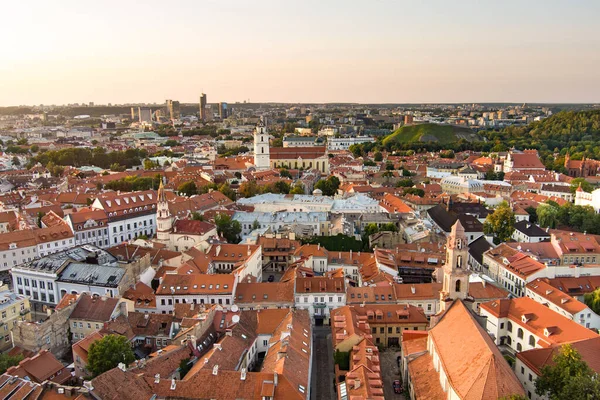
x=262 y=150
x=459 y=262
x=509 y=326
x=458 y=285
x=519 y=347
x=531 y=341
x=508 y=340
x=520 y=333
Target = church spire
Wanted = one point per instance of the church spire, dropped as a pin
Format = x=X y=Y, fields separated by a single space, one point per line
x=162 y=198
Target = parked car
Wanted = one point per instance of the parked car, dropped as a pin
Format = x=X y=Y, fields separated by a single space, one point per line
x=397 y=386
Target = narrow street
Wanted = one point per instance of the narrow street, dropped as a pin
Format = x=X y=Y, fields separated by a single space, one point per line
x=322 y=368
x=389 y=373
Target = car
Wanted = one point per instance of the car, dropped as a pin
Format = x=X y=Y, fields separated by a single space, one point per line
x=397 y=387
x=271 y=278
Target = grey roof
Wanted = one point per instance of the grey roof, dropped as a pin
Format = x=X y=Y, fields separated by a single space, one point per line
x=531 y=230
x=52 y=263
x=479 y=246
x=90 y=274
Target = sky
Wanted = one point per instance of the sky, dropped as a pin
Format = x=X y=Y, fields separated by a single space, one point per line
x=79 y=51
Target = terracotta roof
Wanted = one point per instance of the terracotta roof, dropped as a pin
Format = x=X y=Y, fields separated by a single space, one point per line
x=43 y=366
x=542 y=288
x=394 y=204
x=83 y=346
x=536 y=359
x=192 y=227
x=425 y=379
x=142 y=295
x=259 y=292
x=196 y=284
x=289 y=153
x=458 y=337
x=487 y=291
x=94 y=308
x=320 y=284
x=539 y=319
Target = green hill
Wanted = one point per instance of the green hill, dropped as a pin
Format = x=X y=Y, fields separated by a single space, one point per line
x=431 y=133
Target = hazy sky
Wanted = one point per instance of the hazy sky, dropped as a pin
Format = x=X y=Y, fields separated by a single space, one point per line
x=56 y=52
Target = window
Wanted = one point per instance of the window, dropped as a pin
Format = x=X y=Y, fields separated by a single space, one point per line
x=531 y=341
x=457 y=286
x=381 y=330
x=530 y=378
x=520 y=333
x=522 y=371
x=373 y=330
x=519 y=347
x=509 y=326
x=389 y=329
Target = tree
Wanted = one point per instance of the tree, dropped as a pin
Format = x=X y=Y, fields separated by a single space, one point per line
x=378 y=156
x=284 y=173
x=227 y=191
x=568 y=377
x=228 y=228
x=592 y=300
x=500 y=223
x=15 y=161
x=171 y=143
x=7 y=361
x=405 y=183
x=106 y=353
x=532 y=214
x=585 y=185
x=35 y=148
x=298 y=188
x=188 y=188
x=547 y=215
x=149 y=164
x=328 y=186
x=248 y=189
x=196 y=216
x=413 y=191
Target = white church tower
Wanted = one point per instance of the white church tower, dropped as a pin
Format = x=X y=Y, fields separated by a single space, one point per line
x=164 y=219
x=262 y=159
x=456 y=269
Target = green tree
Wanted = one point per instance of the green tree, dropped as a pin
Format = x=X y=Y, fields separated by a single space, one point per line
x=171 y=143
x=328 y=186
x=413 y=191
x=405 y=183
x=227 y=191
x=188 y=188
x=532 y=214
x=15 y=161
x=547 y=215
x=585 y=185
x=196 y=216
x=378 y=156
x=228 y=228
x=284 y=173
x=298 y=188
x=568 y=377
x=500 y=223
x=592 y=300
x=106 y=353
x=35 y=148
x=7 y=361
x=149 y=164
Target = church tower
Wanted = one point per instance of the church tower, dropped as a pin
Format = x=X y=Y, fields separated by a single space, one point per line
x=262 y=159
x=164 y=220
x=456 y=270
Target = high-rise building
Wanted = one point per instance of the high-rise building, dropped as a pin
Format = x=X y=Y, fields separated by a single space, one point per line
x=223 y=111
x=203 y=107
x=133 y=113
x=174 y=109
x=145 y=114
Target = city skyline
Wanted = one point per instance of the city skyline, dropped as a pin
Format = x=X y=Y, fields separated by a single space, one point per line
x=301 y=53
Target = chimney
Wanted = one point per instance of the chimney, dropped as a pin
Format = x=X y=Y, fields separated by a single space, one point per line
x=157 y=378
x=318 y=246
x=228 y=332
x=218 y=250
x=122 y=367
x=243 y=375
x=216 y=369
x=356 y=384
x=173 y=384
x=350 y=254
x=275 y=378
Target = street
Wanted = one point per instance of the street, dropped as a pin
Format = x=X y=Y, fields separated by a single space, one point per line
x=389 y=373
x=322 y=368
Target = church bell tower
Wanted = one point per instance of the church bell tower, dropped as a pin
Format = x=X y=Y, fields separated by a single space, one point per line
x=456 y=270
x=262 y=158
x=164 y=220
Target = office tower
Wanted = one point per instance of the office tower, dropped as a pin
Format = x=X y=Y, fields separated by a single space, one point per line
x=145 y=114
x=203 y=107
x=173 y=109
x=133 y=113
x=223 y=111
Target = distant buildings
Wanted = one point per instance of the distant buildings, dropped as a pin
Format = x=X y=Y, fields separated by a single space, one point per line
x=173 y=109
x=203 y=107
x=145 y=114
x=223 y=111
